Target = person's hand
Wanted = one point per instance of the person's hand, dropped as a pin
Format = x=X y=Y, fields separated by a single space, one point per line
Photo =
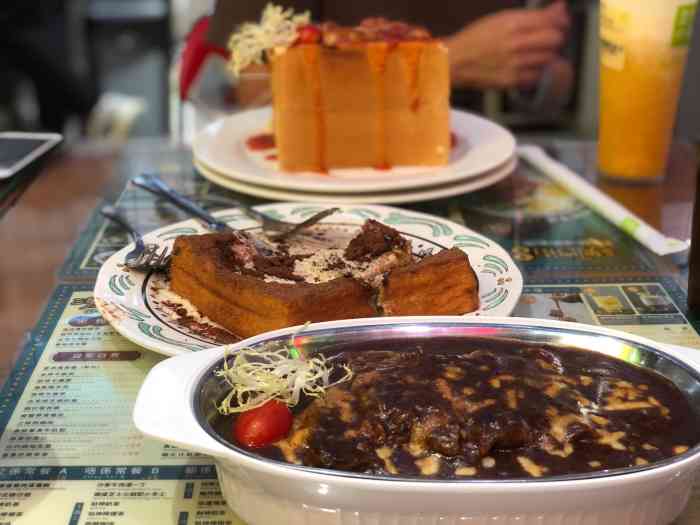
x=508 y=49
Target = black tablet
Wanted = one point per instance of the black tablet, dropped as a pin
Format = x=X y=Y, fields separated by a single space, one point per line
x=19 y=149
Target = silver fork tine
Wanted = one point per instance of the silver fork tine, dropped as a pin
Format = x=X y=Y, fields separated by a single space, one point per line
x=112 y=213
x=148 y=253
x=162 y=260
x=144 y=257
x=304 y=224
x=267 y=222
x=144 y=263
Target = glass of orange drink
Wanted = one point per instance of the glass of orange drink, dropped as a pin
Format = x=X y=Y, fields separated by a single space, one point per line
x=643 y=48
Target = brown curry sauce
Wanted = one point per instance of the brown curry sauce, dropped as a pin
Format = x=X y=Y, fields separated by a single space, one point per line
x=440 y=410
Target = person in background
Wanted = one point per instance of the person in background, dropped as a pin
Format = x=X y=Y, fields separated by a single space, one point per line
x=496 y=44
x=34 y=44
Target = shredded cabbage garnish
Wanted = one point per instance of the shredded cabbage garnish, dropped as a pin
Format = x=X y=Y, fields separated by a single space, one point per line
x=277 y=28
x=257 y=376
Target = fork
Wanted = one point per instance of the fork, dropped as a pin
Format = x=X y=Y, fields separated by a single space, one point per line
x=144 y=257
x=274 y=229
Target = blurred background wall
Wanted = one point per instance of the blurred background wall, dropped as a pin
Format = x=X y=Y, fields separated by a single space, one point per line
x=688 y=122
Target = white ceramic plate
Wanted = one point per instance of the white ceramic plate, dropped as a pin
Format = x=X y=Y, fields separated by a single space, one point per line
x=415 y=195
x=133 y=302
x=481 y=146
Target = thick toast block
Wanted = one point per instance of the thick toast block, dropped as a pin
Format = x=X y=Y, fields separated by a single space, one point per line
x=440 y=284
x=370 y=105
x=203 y=272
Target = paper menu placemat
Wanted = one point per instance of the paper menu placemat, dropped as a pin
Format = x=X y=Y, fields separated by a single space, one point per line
x=139 y=502
x=649 y=308
x=69 y=452
x=551 y=234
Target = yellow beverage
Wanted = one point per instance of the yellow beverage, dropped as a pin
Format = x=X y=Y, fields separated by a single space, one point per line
x=643 y=51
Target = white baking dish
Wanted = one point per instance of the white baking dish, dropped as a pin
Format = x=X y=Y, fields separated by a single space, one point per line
x=171 y=406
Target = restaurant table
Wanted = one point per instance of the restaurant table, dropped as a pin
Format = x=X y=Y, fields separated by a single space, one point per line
x=12 y=188
x=68 y=450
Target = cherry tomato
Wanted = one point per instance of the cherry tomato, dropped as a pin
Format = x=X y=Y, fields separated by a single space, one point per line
x=263 y=425
x=309 y=34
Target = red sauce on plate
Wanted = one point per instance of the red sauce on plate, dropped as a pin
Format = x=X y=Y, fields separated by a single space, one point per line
x=261 y=142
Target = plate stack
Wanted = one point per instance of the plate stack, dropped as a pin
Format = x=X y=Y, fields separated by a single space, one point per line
x=483 y=153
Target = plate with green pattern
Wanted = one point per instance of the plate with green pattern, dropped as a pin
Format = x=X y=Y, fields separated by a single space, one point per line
x=142 y=308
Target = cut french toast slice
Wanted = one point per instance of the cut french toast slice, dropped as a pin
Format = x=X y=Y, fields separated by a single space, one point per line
x=250 y=294
x=439 y=284
x=203 y=272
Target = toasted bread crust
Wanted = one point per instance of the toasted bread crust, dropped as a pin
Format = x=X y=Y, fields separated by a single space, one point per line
x=370 y=105
x=202 y=272
x=440 y=284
